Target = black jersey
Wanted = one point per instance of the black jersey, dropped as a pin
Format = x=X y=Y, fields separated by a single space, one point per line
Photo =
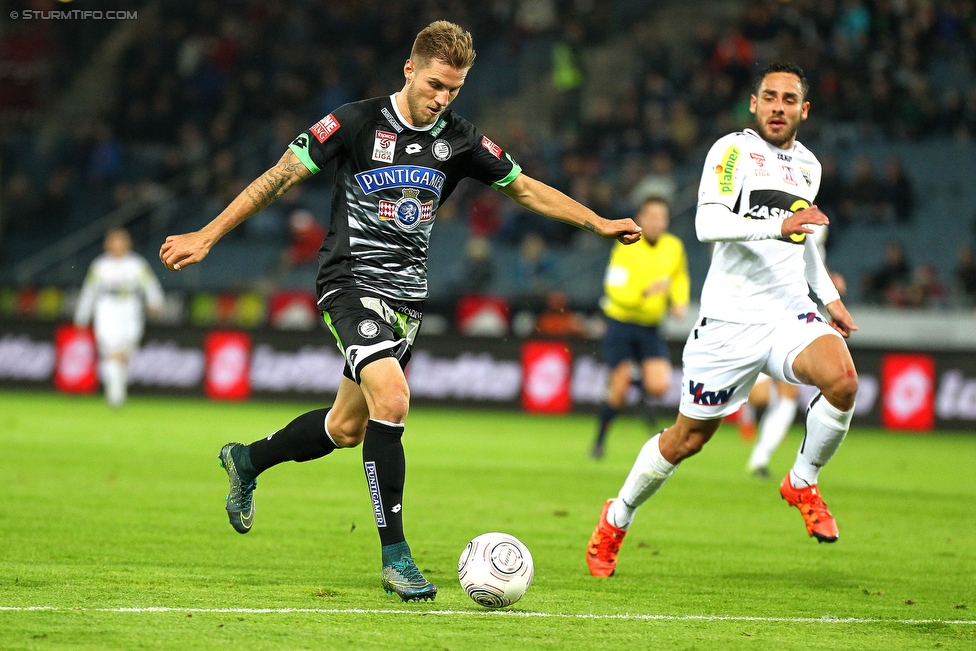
x=390 y=180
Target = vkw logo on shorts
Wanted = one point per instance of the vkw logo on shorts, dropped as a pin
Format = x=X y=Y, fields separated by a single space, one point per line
x=368 y=328
x=709 y=398
x=441 y=150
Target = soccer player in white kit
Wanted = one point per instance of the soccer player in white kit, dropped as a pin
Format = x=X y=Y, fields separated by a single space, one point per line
x=756 y=202
x=117 y=285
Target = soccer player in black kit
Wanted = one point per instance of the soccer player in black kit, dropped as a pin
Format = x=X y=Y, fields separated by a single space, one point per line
x=397 y=159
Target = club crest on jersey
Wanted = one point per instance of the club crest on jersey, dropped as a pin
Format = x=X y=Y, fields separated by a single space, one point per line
x=441 y=149
x=368 y=329
x=325 y=128
x=788 y=176
x=807 y=176
x=709 y=398
x=384 y=144
x=408 y=211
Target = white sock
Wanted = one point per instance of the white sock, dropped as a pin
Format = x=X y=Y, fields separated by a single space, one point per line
x=772 y=430
x=826 y=428
x=114 y=380
x=649 y=473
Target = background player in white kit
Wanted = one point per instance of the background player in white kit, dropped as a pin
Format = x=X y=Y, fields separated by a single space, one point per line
x=755 y=201
x=117 y=285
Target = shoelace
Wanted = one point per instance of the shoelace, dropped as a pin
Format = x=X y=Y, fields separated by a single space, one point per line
x=608 y=542
x=408 y=570
x=815 y=508
x=245 y=494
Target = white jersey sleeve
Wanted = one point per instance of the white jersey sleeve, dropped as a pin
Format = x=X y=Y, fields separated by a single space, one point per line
x=151 y=288
x=86 y=299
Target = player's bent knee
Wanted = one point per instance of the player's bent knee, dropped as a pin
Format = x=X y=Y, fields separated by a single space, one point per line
x=392 y=406
x=657 y=389
x=842 y=391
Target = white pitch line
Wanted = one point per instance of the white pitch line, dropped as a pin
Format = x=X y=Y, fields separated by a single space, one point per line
x=502 y=613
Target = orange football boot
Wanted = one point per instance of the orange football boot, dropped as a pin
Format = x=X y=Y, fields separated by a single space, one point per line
x=820 y=523
x=601 y=553
x=745 y=418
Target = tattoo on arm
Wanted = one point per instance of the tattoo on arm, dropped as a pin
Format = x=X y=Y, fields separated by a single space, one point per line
x=276 y=181
x=587 y=226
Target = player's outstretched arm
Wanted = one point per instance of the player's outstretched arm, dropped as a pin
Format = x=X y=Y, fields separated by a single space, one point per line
x=550 y=202
x=178 y=251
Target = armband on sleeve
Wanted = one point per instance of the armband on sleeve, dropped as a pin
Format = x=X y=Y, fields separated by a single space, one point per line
x=716 y=223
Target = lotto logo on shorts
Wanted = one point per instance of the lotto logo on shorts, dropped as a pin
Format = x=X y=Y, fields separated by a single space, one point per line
x=325 y=128
x=374 y=493
x=709 y=398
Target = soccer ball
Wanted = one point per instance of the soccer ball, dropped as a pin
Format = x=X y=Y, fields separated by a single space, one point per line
x=495 y=569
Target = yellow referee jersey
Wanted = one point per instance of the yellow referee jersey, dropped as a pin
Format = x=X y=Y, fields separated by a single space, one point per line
x=642 y=279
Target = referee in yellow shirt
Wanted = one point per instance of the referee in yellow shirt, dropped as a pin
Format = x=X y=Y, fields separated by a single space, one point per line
x=642 y=282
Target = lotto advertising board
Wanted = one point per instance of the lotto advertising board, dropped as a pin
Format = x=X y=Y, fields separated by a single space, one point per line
x=913 y=391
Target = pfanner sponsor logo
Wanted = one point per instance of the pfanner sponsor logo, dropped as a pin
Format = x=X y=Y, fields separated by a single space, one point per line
x=401 y=176
x=726 y=171
x=374 y=493
x=709 y=398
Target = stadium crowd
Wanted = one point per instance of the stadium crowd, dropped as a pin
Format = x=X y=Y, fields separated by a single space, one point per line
x=208 y=93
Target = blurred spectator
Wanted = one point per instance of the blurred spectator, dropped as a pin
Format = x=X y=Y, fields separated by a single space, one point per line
x=307 y=235
x=535 y=268
x=897 y=193
x=966 y=275
x=658 y=182
x=925 y=290
x=891 y=280
x=485 y=213
x=478 y=268
x=19 y=204
x=831 y=191
x=105 y=162
x=863 y=192
x=558 y=319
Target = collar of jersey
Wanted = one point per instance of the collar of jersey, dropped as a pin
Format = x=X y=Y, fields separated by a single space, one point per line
x=755 y=133
x=403 y=121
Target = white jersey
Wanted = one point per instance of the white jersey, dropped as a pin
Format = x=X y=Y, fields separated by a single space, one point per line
x=114 y=291
x=759 y=278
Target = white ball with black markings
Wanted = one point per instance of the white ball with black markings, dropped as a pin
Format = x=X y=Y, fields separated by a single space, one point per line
x=495 y=569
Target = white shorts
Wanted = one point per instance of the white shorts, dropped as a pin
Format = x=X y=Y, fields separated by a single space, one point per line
x=722 y=360
x=117 y=337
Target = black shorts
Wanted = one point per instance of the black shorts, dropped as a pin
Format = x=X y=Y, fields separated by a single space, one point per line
x=368 y=327
x=624 y=341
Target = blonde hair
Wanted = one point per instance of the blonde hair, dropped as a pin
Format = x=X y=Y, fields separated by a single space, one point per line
x=446 y=42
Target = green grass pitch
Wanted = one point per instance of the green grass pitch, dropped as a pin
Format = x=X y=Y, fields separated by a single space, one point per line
x=103 y=511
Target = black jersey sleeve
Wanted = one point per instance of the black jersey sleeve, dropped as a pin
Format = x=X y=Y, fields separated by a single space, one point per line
x=489 y=163
x=324 y=140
